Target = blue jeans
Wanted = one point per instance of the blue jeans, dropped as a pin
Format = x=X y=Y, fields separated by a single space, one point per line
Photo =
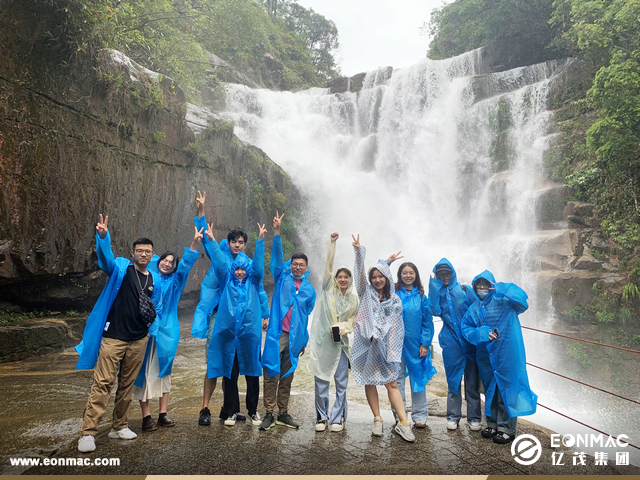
x=500 y=419
x=419 y=406
x=472 y=394
x=340 y=407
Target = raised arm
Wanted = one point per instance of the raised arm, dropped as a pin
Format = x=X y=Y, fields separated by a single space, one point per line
x=516 y=296
x=327 y=275
x=258 y=258
x=188 y=259
x=359 y=277
x=217 y=257
x=106 y=259
x=277 y=257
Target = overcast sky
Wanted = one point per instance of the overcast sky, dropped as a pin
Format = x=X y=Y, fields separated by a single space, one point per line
x=376 y=33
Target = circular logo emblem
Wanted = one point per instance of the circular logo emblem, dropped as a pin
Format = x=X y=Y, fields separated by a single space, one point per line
x=526 y=449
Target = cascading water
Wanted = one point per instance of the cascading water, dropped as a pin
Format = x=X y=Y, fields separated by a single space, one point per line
x=432 y=160
x=437 y=160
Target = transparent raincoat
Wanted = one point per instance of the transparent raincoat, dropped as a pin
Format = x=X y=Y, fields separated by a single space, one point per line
x=502 y=362
x=334 y=309
x=378 y=329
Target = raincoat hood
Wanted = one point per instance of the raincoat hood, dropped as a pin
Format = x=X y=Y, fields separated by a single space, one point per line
x=487 y=275
x=454 y=277
x=241 y=261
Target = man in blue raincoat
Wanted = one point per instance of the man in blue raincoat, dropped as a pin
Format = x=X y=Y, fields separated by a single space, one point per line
x=116 y=334
x=492 y=324
x=210 y=294
x=449 y=300
x=287 y=335
x=235 y=343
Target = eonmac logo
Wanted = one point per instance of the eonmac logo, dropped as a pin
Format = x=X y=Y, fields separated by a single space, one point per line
x=526 y=449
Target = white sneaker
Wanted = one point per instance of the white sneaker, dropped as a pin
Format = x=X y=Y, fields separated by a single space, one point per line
x=451 y=425
x=231 y=421
x=337 y=427
x=255 y=419
x=124 y=434
x=321 y=425
x=377 y=427
x=420 y=424
x=404 y=430
x=475 y=426
x=86 y=444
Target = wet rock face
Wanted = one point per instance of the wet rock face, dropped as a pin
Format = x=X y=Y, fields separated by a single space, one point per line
x=106 y=136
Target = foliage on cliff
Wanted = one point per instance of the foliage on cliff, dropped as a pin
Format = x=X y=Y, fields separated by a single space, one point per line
x=464 y=25
x=172 y=37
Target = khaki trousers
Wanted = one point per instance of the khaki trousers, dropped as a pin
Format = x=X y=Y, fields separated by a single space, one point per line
x=276 y=390
x=113 y=354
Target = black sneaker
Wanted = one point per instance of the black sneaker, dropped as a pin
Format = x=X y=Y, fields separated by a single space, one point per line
x=205 y=417
x=488 y=432
x=286 y=420
x=502 y=437
x=241 y=417
x=268 y=422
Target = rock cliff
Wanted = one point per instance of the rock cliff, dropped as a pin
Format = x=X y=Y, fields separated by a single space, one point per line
x=85 y=135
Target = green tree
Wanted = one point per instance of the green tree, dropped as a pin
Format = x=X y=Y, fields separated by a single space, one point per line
x=468 y=24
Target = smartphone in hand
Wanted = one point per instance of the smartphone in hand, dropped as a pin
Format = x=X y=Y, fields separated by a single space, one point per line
x=335 y=331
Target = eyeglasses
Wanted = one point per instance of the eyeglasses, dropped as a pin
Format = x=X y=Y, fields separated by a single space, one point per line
x=139 y=251
x=299 y=265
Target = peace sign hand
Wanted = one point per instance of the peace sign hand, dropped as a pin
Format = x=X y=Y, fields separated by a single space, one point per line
x=393 y=257
x=356 y=242
x=277 y=222
x=101 y=227
x=200 y=202
x=261 y=231
x=209 y=232
x=197 y=238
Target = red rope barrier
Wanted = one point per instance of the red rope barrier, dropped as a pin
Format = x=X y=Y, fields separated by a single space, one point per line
x=584 y=424
x=582 y=340
x=585 y=384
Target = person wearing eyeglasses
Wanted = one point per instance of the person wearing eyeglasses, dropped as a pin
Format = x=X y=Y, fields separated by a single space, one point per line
x=154 y=378
x=492 y=324
x=293 y=300
x=116 y=334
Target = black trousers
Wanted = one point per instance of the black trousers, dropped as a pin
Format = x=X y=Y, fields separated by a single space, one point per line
x=231 y=402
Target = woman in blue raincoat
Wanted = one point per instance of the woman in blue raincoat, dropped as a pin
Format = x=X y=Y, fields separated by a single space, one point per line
x=492 y=324
x=378 y=336
x=449 y=300
x=234 y=348
x=418 y=334
x=154 y=378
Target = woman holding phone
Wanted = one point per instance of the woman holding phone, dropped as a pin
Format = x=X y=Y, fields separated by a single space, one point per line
x=329 y=344
x=378 y=328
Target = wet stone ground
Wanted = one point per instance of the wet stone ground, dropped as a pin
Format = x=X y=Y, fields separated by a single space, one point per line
x=43 y=399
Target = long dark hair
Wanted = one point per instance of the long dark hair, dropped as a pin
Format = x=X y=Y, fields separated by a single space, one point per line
x=175 y=261
x=386 y=290
x=416 y=283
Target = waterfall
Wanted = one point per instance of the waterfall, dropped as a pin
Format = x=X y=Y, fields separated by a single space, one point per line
x=437 y=160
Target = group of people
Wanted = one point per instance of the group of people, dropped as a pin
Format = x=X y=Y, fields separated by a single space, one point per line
x=132 y=334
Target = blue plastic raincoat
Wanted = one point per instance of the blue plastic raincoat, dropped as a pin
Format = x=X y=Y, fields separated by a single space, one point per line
x=284 y=298
x=238 y=327
x=168 y=332
x=115 y=268
x=450 y=304
x=502 y=362
x=418 y=330
x=210 y=288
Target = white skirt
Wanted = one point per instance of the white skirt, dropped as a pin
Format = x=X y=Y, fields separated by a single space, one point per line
x=153 y=387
